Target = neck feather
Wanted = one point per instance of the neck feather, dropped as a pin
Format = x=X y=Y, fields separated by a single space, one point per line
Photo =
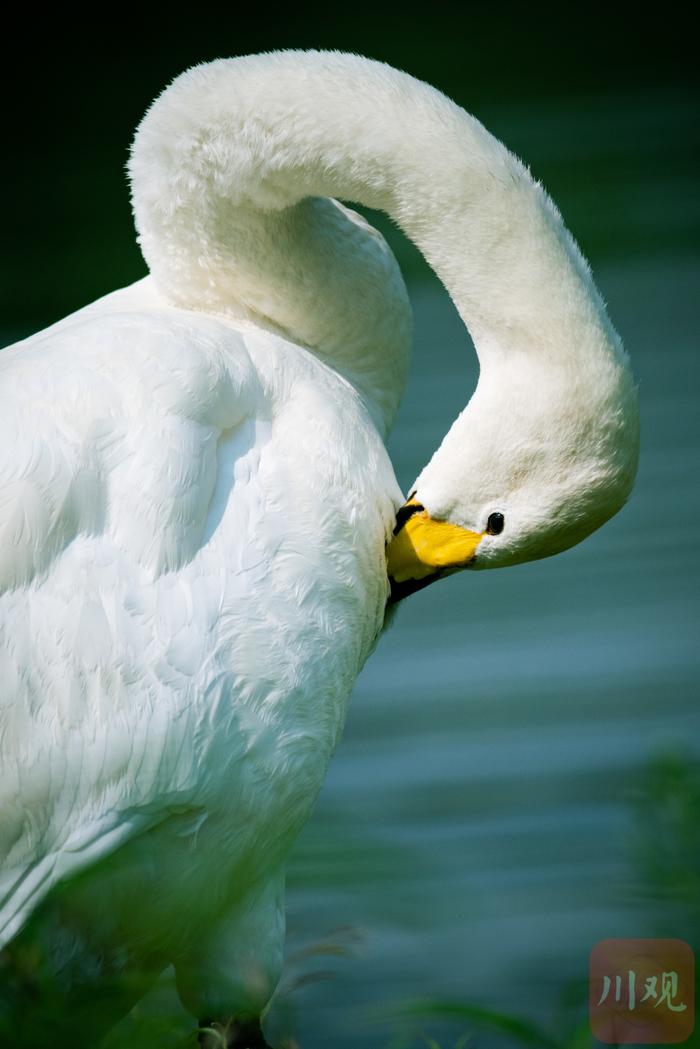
x=230 y=162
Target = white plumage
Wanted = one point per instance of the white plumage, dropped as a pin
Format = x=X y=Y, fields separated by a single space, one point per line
x=195 y=496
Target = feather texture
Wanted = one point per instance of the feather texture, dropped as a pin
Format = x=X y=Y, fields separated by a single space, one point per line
x=195 y=495
x=192 y=578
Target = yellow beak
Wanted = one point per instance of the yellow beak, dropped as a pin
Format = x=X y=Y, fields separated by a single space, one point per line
x=422 y=550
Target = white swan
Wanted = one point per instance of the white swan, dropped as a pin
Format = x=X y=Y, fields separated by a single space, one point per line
x=196 y=497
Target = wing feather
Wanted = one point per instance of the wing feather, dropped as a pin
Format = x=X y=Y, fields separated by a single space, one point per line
x=111 y=430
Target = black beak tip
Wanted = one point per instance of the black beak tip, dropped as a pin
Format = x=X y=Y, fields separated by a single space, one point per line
x=405 y=513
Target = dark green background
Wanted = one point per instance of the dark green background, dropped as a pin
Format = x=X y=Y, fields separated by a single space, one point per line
x=76 y=87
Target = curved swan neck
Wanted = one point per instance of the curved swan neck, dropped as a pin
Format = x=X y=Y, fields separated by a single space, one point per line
x=226 y=160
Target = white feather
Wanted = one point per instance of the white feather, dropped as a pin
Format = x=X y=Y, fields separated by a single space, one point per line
x=195 y=493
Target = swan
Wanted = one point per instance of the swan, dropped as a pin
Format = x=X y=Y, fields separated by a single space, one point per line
x=201 y=530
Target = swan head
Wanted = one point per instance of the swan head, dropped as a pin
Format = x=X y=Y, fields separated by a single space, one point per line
x=544 y=453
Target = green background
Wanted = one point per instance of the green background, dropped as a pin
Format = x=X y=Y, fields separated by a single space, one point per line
x=76 y=87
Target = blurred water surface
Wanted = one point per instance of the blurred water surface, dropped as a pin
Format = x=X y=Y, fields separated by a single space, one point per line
x=477 y=823
x=473 y=839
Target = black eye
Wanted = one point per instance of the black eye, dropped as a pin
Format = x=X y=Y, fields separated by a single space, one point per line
x=495 y=523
